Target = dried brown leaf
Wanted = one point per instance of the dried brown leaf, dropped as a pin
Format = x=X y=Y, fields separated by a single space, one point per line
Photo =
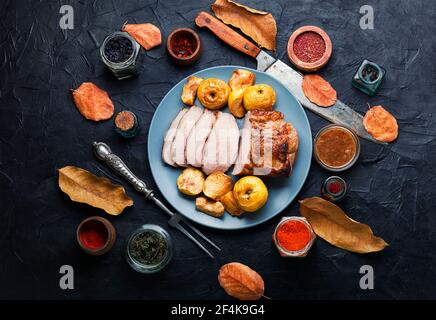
x=258 y=25
x=146 y=34
x=381 y=124
x=333 y=225
x=92 y=102
x=241 y=282
x=82 y=186
x=318 y=90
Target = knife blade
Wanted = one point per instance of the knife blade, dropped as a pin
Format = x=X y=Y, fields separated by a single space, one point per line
x=339 y=113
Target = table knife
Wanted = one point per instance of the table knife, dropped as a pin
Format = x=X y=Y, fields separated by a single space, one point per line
x=339 y=113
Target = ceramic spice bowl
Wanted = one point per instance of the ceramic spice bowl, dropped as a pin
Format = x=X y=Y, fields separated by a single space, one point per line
x=309 y=48
x=184 y=46
x=96 y=235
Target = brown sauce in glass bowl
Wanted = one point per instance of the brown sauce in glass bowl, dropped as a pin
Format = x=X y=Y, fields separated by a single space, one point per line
x=336 y=147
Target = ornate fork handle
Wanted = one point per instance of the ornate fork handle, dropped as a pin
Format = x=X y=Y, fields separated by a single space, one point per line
x=103 y=152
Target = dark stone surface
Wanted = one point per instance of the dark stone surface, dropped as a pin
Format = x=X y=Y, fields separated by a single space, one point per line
x=392 y=187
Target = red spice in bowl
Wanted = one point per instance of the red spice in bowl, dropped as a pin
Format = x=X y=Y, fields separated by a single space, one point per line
x=93 y=235
x=309 y=48
x=293 y=235
x=96 y=235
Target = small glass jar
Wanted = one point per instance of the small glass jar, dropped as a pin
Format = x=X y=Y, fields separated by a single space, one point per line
x=150 y=268
x=299 y=253
x=334 y=189
x=335 y=148
x=124 y=69
x=126 y=124
x=368 y=77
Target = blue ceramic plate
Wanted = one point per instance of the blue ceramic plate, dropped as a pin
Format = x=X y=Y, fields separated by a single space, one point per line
x=282 y=190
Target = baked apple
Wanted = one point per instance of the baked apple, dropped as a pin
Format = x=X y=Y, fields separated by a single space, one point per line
x=260 y=97
x=189 y=92
x=251 y=193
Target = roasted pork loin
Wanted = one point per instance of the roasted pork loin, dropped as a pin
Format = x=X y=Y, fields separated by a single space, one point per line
x=268 y=146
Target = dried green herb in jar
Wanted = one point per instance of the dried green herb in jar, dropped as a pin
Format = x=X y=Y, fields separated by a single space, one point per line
x=148 y=248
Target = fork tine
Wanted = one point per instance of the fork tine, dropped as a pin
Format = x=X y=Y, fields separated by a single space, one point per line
x=186 y=233
x=201 y=234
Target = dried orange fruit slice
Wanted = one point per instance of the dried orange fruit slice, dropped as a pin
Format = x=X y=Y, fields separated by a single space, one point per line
x=318 y=90
x=381 y=124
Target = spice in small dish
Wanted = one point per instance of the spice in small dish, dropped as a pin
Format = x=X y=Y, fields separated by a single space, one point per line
x=334 y=189
x=126 y=124
x=293 y=237
x=309 y=48
x=149 y=249
x=96 y=235
x=336 y=148
x=184 y=46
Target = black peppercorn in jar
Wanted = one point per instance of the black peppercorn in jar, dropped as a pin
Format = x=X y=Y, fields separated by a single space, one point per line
x=119 y=53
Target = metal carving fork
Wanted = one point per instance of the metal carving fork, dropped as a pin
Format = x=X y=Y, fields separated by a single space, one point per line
x=103 y=152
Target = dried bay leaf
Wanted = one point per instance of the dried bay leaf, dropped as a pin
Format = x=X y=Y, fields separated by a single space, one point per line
x=333 y=225
x=82 y=186
x=241 y=282
x=318 y=90
x=258 y=25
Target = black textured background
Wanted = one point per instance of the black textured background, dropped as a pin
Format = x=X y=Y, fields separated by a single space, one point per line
x=392 y=187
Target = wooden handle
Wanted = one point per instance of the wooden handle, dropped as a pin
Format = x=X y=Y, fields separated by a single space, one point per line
x=226 y=34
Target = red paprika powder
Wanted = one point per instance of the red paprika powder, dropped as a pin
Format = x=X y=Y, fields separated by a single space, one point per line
x=93 y=235
x=293 y=235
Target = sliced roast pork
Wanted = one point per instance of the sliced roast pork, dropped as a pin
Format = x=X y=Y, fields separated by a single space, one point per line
x=268 y=146
x=169 y=138
x=184 y=128
x=221 y=148
x=198 y=136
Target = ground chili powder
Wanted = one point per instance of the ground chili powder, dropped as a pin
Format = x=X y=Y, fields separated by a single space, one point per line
x=309 y=47
x=93 y=235
x=293 y=235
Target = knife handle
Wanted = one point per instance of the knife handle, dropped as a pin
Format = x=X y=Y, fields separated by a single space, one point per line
x=227 y=34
